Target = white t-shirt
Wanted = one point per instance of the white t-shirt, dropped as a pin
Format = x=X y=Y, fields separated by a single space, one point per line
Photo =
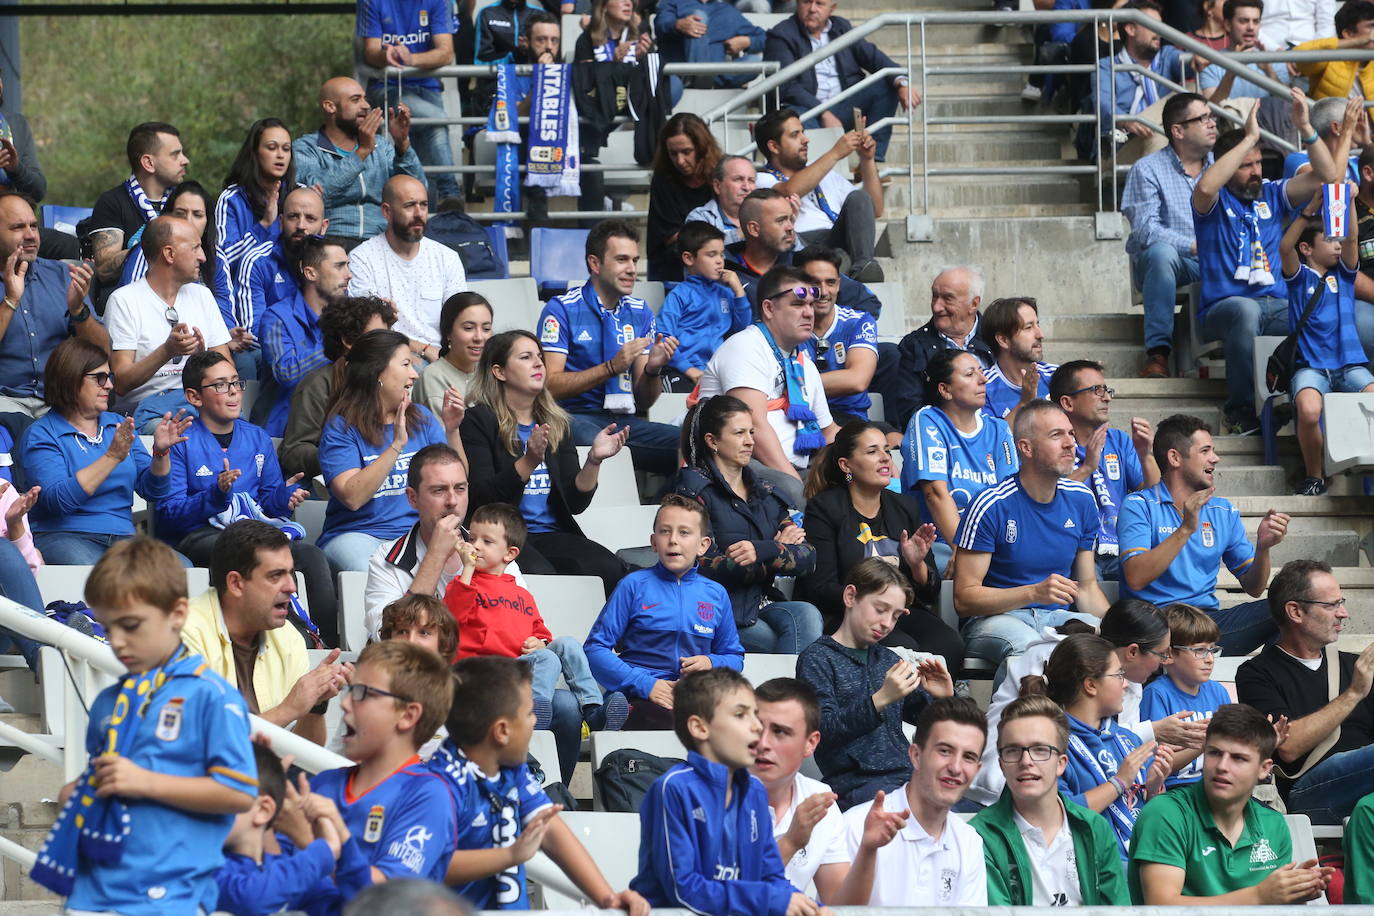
x=1054 y=868
x=827 y=846
x=137 y=320
x=746 y=361
x=834 y=187
x=916 y=869
x=418 y=287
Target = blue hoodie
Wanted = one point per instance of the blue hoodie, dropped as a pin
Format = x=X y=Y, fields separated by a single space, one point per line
x=300 y=880
x=652 y=620
x=701 y=313
x=697 y=852
x=294 y=346
x=1095 y=754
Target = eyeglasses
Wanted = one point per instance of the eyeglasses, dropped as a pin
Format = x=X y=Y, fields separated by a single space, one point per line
x=171 y=315
x=1121 y=675
x=1012 y=753
x=1162 y=656
x=1101 y=391
x=1329 y=605
x=359 y=692
x=801 y=292
x=1207 y=118
x=1202 y=653
x=224 y=387
x=101 y=379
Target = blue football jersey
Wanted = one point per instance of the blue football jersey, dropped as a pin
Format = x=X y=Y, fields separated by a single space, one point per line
x=934 y=449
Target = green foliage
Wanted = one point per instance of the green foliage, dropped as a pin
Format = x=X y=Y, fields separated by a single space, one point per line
x=87 y=81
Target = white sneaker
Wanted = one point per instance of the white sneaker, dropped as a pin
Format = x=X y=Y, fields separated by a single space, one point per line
x=1030 y=93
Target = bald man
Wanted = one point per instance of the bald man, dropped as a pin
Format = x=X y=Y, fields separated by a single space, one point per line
x=415 y=273
x=352 y=158
x=157 y=322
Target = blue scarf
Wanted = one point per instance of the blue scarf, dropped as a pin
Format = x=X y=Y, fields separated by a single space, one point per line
x=95 y=828
x=142 y=201
x=816 y=194
x=1252 y=261
x=504 y=131
x=552 y=159
x=619 y=389
x=809 y=436
x=1123 y=810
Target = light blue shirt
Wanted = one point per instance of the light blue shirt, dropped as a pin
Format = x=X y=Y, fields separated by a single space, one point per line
x=1158 y=202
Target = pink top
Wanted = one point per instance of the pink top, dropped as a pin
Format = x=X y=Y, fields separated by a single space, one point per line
x=25 y=544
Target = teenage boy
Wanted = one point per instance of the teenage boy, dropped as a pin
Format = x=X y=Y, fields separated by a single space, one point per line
x=1042 y=849
x=496 y=616
x=806 y=822
x=1210 y=843
x=655 y=615
x=402 y=811
x=918 y=855
x=188 y=730
x=1187 y=688
x=700 y=843
x=504 y=817
x=706 y=307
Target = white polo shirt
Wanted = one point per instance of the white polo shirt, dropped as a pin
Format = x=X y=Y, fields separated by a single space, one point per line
x=916 y=869
x=1054 y=868
x=827 y=845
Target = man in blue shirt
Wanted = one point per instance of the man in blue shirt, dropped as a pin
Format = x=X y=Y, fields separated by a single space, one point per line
x=1125 y=92
x=1176 y=534
x=1242 y=21
x=1112 y=461
x=844 y=341
x=413 y=33
x=1239 y=216
x=267 y=273
x=1025 y=546
x=1158 y=201
x=1012 y=327
x=603 y=356
x=707 y=31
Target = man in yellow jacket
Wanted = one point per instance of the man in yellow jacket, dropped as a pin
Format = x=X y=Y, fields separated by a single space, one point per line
x=1355 y=26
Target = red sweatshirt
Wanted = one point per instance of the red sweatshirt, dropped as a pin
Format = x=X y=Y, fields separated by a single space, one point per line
x=495 y=616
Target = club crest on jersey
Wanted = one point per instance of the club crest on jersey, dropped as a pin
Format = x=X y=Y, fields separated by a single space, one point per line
x=1113 y=465
x=1209 y=536
x=424 y=18
x=1262 y=209
x=1331 y=283
x=259 y=460
x=376 y=816
x=1011 y=531
x=1263 y=853
x=706 y=611
x=839 y=354
x=169 y=719
x=549 y=332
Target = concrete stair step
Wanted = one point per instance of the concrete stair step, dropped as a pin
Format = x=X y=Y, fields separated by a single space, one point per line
x=1119 y=360
x=1171 y=389
x=1251 y=480
x=997 y=191
x=1089 y=328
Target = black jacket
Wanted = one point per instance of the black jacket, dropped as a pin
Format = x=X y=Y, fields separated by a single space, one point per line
x=492 y=477
x=853 y=294
x=756 y=520
x=788 y=42
x=904 y=392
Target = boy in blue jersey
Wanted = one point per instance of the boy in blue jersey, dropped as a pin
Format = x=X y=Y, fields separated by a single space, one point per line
x=1012 y=327
x=1112 y=461
x=504 y=817
x=656 y=615
x=1186 y=685
x=1177 y=534
x=401 y=812
x=1330 y=356
x=705 y=308
x=1025 y=547
x=140 y=830
x=706 y=839
x=844 y=341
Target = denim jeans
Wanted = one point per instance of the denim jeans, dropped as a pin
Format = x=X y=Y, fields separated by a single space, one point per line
x=653 y=445
x=1236 y=321
x=1327 y=793
x=18 y=585
x=564 y=656
x=431 y=143
x=994 y=638
x=79 y=548
x=1245 y=627
x=782 y=628
x=149 y=411
x=351 y=551
x=877 y=100
x=1159 y=271
x=722 y=22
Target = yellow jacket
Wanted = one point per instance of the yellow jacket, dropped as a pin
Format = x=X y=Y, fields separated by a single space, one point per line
x=281 y=660
x=1333 y=77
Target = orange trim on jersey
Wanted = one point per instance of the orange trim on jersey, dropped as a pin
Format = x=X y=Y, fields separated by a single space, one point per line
x=233 y=774
x=350 y=797
x=1136 y=550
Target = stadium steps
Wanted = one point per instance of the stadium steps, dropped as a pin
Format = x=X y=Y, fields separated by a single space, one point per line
x=28 y=793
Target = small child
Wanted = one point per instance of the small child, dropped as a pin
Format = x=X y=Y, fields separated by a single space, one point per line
x=656 y=614
x=866 y=690
x=254 y=882
x=496 y=616
x=706 y=307
x=394 y=806
x=504 y=816
x=1330 y=356
x=706 y=841
x=171 y=763
x=1186 y=684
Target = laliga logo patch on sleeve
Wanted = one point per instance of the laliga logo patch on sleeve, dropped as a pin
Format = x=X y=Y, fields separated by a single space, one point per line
x=549 y=333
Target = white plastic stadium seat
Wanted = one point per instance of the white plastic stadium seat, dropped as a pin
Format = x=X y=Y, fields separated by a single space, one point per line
x=760 y=667
x=1349 y=421
x=568 y=604
x=544 y=747
x=652 y=292
x=352 y=610
x=700 y=101
x=620 y=527
x=616 y=484
x=612 y=838
x=310 y=516
x=668 y=408
x=515 y=302
x=1264 y=348
x=1304 y=845
x=68 y=583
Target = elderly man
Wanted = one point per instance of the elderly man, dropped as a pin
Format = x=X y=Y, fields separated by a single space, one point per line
x=1327 y=763
x=415 y=273
x=955 y=296
x=731 y=182
x=351 y=161
x=239 y=628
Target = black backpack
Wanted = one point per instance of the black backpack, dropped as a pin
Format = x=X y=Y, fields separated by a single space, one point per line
x=625 y=776
x=465 y=235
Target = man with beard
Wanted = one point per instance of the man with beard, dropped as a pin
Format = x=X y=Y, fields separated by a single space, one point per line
x=1127 y=93
x=1012 y=326
x=415 y=273
x=267 y=273
x=352 y=161
x=291 y=335
x=833 y=212
x=844 y=341
x=733 y=180
x=1238 y=218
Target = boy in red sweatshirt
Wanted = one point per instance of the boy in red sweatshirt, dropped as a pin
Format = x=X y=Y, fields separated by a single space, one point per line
x=497 y=617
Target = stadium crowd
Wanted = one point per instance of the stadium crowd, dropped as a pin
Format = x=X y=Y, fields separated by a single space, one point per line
x=793 y=519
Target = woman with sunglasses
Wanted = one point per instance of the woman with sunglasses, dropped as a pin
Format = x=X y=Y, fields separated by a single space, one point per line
x=88 y=460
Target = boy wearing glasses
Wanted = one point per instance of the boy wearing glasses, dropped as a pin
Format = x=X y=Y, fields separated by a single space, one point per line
x=1187 y=685
x=1041 y=848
